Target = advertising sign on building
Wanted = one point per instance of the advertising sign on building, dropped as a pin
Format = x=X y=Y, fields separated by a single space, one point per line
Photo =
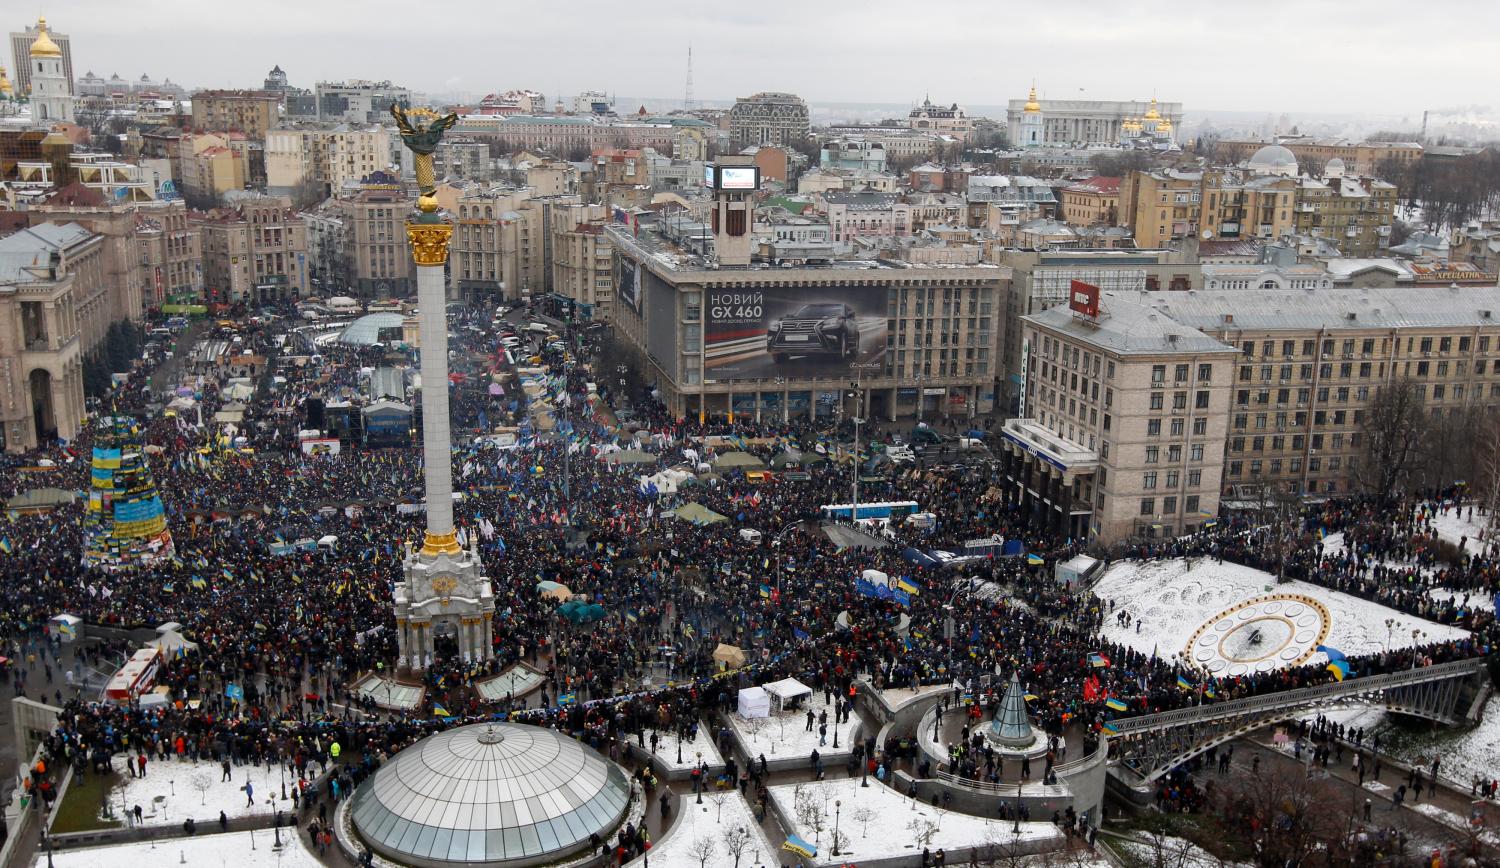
x=1084 y=299
x=792 y=331
x=628 y=282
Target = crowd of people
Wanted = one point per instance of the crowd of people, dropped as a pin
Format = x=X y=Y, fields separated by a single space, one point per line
x=294 y=630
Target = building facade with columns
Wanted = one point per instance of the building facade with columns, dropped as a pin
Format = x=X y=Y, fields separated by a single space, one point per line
x=55 y=302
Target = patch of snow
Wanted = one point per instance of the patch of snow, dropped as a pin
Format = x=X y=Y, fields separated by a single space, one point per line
x=1466 y=754
x=1452 y=821
x=1456 y=523
x=200 y=851
x=888 y=831
x=171 y=792
x=782 y=735
x=710 y=821
x=1174 y=851
x=702 y=741
x=1171 y=599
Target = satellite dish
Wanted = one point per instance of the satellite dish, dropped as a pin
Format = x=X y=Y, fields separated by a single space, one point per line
x=1208 y=234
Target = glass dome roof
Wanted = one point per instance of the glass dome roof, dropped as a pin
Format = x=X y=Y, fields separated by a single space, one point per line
x=365 y=331
x=500 y=794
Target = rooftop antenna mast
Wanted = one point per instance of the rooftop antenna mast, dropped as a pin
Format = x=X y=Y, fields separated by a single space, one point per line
x=687 y=94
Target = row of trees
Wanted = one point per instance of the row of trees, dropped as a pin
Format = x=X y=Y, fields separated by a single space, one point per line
x=123 y=343
x=1449 y=191
x=1410 y=445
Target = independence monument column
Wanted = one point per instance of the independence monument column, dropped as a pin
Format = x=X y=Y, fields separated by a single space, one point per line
x=444 y=603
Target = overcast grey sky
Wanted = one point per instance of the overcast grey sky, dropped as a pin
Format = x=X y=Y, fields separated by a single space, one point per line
x=1371 y=56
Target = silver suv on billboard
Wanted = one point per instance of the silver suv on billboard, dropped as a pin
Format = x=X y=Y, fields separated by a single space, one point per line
x=816 y=329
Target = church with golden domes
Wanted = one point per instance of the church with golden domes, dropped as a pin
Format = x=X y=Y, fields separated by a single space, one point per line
x=51 y=96
x=1037 y=121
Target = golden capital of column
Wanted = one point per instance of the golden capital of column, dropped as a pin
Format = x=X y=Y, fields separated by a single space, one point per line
x=440 y=543
x=429 y=242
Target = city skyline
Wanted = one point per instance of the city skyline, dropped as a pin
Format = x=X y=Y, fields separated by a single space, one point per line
x=738 y=51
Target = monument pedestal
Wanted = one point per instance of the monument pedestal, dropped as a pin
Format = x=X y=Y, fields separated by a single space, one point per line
x=443 y=595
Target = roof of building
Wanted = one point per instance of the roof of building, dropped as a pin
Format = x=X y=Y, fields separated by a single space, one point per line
x=512 y=794
x=1101 y=184
x=32 y=248
x=77 y=194
x=1336 y=308
x=1127 y=327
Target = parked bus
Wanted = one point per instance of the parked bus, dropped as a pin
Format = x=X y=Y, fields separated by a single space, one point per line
x=895 y=509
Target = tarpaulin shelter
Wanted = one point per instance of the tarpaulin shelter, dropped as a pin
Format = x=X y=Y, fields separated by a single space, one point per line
x=730 y=656
x=40 y=500
x=731 y=460
x=754 y=702
x=787 y=690
x=554 y=590
x=172 y=644
x=698 y=514
x=630 y=456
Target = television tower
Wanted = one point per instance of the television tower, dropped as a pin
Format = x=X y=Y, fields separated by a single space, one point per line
x=687 y=94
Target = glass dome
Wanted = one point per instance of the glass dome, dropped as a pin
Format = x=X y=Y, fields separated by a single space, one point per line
x=365 y=331
x=495 y=794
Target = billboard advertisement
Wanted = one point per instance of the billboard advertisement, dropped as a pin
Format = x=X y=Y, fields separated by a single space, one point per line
x=737 y=177
x=1084 y=299
x=628 y=282
x=792 y=330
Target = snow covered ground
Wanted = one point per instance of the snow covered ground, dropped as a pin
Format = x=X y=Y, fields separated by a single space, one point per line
x=1456 y=524
x=893 y=822
x=230 y=850
x=1172 y=600
x=1334 y=544
x=783 y=735
x=514 y=682
x=899 y=696
x=388 y=693
x=666 y=749
x=1170 y=850
x=173 y=791
x=710 y=822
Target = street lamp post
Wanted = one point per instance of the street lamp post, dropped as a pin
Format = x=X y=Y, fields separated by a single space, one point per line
x=859 y=372
x=700 y=777
x=837 y=809
x=776 y=544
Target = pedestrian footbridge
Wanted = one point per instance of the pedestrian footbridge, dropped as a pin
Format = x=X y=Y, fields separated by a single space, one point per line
x=1144 y=748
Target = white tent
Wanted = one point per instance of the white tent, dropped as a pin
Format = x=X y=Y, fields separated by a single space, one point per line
x=666 y=481
x=754 y=702
x=171 y=643
x=876 y=578
x=787 y=690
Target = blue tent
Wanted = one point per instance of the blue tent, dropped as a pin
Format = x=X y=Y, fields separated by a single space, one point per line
x=921 y=559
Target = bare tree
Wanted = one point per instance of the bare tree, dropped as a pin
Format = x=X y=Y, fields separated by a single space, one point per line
x=922 y=830
x=736 y=842
x=202 y=782
x=839 y=842
x=718 y=798
x=863 y=815
x=1393 y=432
x=1290 y=812
x=703 y=849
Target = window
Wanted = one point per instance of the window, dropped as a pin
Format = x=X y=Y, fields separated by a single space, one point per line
x=1195 y=452
x=1180 y=373
x=1148 y=506
x=1152 y=454
x=1236 y=468
x=1176 y=427
x=1148 y=480
x=1157 y=400
x=1179 y=400
x=1172 y=478
x=1158 y=373
x=1190 y=503
x=1200 y=400
x=1169 y=506
x=1200 y=427
x=1153 y=427
x=1205 y=372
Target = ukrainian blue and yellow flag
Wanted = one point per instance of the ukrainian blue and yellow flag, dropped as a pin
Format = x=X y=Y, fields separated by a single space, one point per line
x=1184 y=683
x=440 y=711
x=1115 y=704
x=796 y=845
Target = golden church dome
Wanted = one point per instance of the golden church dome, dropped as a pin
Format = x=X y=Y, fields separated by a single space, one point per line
x=1031 y=104
x=44 y=46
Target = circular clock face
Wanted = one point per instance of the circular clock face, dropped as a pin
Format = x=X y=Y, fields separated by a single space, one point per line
x=1259 y=635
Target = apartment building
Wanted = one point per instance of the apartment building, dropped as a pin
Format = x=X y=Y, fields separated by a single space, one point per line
x=252 y=112
x=1121 y=429
x=1353 y=213
x=253 y=252
x=582 y=259
x=333 y=159
x=949 y=120
x=1310 y=363
x=1090 y=202
x=379 y=255
x=208 y=165
x=1160 y=206
x=358 y=101
x=498 y=249
x=1234 y=205
x=119 y=224
x=171 y=254
x=768 y=118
